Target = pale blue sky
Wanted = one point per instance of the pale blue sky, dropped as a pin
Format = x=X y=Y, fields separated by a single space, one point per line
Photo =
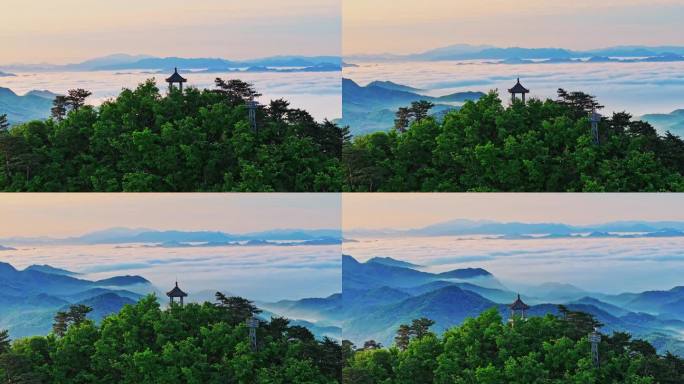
x=75 y=214
x=408 y=26
x=405 y=211
x=65 y=31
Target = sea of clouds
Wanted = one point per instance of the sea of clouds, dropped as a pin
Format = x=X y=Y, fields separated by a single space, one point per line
x=265 y=273
x=607 y=265
x=638 y=88
x=317 y=92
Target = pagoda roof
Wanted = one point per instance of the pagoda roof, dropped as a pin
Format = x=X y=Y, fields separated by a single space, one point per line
x=519 y=305
x=176 y=292
x=518 y=88
x=176 y=77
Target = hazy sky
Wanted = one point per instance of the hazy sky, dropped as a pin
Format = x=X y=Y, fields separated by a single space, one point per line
x=72 y=30
x=407 y=26
x=404 y=211
x=75 y=214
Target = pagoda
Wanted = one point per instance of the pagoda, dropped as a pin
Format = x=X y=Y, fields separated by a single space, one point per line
x=176 y=78
x=518 y=308
x=176 y=293
x=518 y=89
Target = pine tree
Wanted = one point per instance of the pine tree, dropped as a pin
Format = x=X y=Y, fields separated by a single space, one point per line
x=59 y=108
x=421 y=109
x=5 y=341
x=61 y=323
x=4 y=124
x=76 y=98
x=421 y=327
x=403 y=118
x=403 y=337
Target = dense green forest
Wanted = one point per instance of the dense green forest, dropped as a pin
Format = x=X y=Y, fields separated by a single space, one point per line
x=189 y=140
x=485 y=350
x=197 y=343
x=202 y=140
x=534 y=146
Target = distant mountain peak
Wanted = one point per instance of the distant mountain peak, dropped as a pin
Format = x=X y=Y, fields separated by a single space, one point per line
x=50 y=269
x=44 y=93
x=392 y=86
x=122 y=281
x=465 y=273
x=393 y=262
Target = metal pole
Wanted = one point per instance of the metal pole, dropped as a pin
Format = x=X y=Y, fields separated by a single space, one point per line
x=253 y=323
x=595 y=339
x=595 y=119
x=252 y=107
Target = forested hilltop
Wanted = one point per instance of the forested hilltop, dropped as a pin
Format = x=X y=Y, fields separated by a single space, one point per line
x=203 y=140
x=534 y=146
x=196 y=343
x=186 y=140
x=484 y=350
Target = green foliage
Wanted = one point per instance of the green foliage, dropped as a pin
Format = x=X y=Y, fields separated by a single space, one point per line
x=4 y=124
x=196 y=343
x=194 y=140
x=76 y=315
x=537 y=146
x=539 y=350
x=418 y=329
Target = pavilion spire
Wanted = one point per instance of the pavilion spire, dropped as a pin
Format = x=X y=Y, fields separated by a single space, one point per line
x=518 y=89
x=176 y=78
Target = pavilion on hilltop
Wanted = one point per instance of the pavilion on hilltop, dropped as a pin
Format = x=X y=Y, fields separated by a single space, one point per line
x=176 y=293
x=518 y=89
x=176 y=78
x=518 y=308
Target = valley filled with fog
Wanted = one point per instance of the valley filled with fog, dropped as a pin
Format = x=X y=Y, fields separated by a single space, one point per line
x=607 y=265
x=319 y=93
x=262 y=273
x=637 y=87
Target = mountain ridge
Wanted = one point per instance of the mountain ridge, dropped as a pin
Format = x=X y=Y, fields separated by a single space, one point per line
x=376 y=303
x=487 y=227
x=372 y=107
x=120 y=235
x=126 y=61
x=489 y=52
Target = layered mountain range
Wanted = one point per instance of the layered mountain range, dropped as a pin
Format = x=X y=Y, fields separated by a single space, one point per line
x=663 y=122
x=459 y=227
x=146 y=62
x=379 y=296
x=34 y=105
x=518 y=55
x=372 y=107
x=178 y=238
x=32 y=296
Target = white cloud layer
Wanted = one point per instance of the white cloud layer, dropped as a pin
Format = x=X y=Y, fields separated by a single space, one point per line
x=606 y=265
x=638 y=88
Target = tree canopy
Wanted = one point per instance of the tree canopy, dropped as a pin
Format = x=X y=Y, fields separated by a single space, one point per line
x=202 y=140
x=486 y=350
x=196 y=343
x=534 y=146
x=190 y=140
